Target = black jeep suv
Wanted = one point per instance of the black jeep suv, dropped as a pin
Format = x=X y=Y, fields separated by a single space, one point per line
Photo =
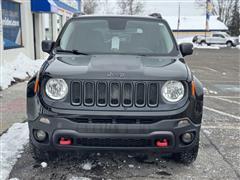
x=113 y=83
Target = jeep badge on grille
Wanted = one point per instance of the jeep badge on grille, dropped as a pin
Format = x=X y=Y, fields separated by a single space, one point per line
x=116 y=74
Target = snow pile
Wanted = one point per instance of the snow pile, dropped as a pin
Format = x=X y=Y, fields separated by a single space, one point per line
x=87 y=166
x=79 y=178
x=206 y=47
x=19 y=69
x=44 y=164
x=11 y=146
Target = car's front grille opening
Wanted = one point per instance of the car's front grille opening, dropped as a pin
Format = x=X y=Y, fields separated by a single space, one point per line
x=89 y=94
x=76 y=88
x=114 y=142
x=102 y=94
x=101 y=121
x=116 y=93
x=140 y=94
x=113 y=120
x=127 y=94
x=153 y=94
x=126 y=121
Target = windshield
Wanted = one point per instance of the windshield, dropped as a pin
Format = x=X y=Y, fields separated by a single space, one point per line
x=226 y=35
x=117 y=36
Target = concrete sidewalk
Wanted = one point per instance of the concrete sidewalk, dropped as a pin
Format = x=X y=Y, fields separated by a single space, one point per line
x=12 y=106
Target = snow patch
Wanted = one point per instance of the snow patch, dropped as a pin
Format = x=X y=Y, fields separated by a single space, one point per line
x=11 y=145
x=196 y=46
x=131 y=166
x=87 y=166
x=19 y=69
x=205 y=90
x=44 y=164
x=207 y=131
x=213 y=92
x=79 y=178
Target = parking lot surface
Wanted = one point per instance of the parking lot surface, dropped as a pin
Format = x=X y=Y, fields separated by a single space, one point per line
x=218 y=158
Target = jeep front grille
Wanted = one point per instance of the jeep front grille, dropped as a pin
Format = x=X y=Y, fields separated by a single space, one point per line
x=115 y=94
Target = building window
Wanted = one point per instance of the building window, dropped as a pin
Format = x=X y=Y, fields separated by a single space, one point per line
x=48 y=26
x=11 y=19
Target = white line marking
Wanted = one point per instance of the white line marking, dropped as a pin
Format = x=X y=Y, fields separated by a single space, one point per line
x=214 y=70
x=222 y=113
x=227 y=100
x=220 y=81
x=221 y=127
x=206 y=68
x=229 y=97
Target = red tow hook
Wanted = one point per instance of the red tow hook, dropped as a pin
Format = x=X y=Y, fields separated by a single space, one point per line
x=65 y=141
x=161 y=143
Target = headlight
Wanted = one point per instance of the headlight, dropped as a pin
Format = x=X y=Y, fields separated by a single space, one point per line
x=173 y=91
x=56 y=89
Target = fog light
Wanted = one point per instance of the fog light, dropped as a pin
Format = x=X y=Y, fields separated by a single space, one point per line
x=41 y=135
x=187 y=138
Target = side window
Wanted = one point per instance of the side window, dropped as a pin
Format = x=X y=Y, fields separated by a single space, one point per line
x=218 y=35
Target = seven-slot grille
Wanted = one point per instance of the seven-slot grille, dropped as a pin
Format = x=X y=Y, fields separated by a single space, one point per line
x=115 y=93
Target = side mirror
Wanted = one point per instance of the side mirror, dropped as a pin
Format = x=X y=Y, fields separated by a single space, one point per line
x=186 y=49
x=47 y=46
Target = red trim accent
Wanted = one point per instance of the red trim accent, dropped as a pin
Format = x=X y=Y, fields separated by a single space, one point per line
x=64 y=141
x=161 y=143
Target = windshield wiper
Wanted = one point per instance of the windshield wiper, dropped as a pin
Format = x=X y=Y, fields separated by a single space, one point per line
x=74 y=51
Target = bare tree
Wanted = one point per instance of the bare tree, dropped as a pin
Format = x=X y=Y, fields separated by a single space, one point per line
x=106 y=7
x=234 y=24
x=222 y=8
x=131 y=7
x=89 y=6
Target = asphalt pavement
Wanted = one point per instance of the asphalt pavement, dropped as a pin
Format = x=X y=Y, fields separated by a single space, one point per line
x=218 y=158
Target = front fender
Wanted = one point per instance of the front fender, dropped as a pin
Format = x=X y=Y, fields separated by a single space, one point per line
x=199 y=95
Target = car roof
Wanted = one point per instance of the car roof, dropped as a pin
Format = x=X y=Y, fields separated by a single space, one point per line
x=119 y=16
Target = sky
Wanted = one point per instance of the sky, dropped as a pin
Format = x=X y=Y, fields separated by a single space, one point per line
x=165 y=7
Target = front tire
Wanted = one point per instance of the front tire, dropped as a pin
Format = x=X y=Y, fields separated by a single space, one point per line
x=41 y=155
x=187 y=157
x=203 y=43
x=229 y=44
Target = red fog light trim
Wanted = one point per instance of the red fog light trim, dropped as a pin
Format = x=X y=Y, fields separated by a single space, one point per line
x=161 y=143
x=64 y=141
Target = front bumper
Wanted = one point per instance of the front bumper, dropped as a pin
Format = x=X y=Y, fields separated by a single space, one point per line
x=97 y=136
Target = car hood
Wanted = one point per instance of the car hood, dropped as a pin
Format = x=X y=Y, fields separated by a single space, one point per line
x=116 y=67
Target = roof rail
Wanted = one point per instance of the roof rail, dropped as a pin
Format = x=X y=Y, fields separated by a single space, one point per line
x=157 y=15
x=77 y=14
